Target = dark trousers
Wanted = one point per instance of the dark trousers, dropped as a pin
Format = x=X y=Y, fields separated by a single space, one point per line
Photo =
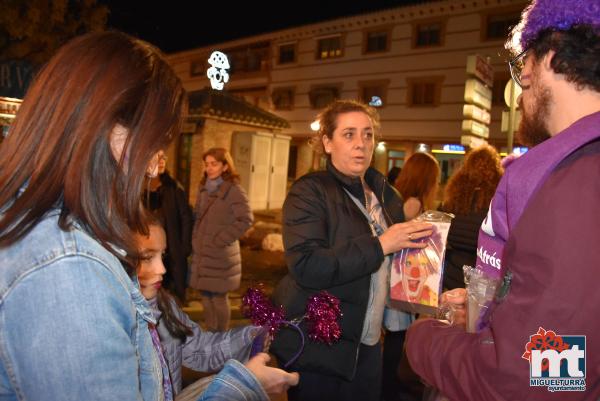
x=366 y=385
x=399 y=382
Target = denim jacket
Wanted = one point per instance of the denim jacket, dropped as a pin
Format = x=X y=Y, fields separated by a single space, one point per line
x=73 y=325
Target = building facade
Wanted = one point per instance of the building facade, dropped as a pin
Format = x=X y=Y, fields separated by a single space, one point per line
x=412 y=58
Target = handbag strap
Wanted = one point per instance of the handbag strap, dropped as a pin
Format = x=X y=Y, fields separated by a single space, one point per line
x=377 y=230
x=207 y=208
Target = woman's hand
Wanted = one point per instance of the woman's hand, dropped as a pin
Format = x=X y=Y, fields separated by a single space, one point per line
x=273 y=380
x=403 y=235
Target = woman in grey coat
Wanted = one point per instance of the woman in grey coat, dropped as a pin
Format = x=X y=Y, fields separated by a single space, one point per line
x=222 y=215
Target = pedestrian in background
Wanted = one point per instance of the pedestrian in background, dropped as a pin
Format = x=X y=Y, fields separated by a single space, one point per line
x=393 y=174
x=468 y=195
x=167 y=198
x=222 y=215
x=418 y=184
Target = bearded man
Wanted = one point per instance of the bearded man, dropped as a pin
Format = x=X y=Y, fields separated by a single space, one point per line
x=541 y=235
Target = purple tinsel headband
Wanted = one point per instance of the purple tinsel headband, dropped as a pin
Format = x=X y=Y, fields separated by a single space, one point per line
x=321 y=317
x=553 y=14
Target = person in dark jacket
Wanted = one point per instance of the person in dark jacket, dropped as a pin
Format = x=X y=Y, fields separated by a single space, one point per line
x=467 y=196
x=393 y=174
x=340 y=229
x=167 y=197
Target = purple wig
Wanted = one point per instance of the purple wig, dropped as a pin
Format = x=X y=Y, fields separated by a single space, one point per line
x=559 y=15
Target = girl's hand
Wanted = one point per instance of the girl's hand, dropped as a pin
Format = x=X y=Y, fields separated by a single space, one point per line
x=273 y=380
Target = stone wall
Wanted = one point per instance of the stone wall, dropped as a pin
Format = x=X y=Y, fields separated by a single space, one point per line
x=213 y=133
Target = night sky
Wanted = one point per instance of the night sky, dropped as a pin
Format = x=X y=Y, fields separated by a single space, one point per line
x=176 y=25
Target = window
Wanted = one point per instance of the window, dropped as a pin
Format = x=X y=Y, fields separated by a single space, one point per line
x=329 y=47
x=428 y=34
x=321 y=97
x=376 y=41
x=498 y=26
x=252 y=95
x=498 y=89
x=424 y=91
x=370 y=91
x=283 y=98
x=249 y=58
x=395 y=159
x=287 y=53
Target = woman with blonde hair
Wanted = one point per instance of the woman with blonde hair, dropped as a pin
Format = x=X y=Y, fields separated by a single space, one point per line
x=468 y=196
x=341 y=227
x=222 y=215
x=418 y=183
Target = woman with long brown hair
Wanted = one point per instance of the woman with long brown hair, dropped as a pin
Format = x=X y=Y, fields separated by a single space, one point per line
x=222 y=216
x=74 y=324
x=468 y=195
x=418 y=183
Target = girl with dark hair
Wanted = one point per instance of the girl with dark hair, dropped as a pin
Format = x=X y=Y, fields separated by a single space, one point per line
x=222 y=216
x=74 y=324
x=182 y=340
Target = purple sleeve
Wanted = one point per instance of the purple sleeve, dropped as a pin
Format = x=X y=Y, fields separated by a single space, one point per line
x=449 y=359
x=553 y=255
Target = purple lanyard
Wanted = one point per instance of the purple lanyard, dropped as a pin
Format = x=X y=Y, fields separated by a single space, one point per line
x=167 y=386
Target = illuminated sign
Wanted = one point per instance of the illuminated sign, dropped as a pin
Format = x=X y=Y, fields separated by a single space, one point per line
x=453 y=148
x=376 y=101
x=519 y=150
x=471 y=141
x=217 y=73
x=476 y=113
x=481 y=68
x=475 y=128
x=478 y=94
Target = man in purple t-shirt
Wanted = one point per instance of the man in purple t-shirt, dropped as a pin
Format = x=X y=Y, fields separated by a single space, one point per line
x=543 y=340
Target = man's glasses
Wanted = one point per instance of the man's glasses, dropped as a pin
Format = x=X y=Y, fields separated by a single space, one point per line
x=516 y=67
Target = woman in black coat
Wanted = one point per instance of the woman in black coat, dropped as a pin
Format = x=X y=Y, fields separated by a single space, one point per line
x=340 y=228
